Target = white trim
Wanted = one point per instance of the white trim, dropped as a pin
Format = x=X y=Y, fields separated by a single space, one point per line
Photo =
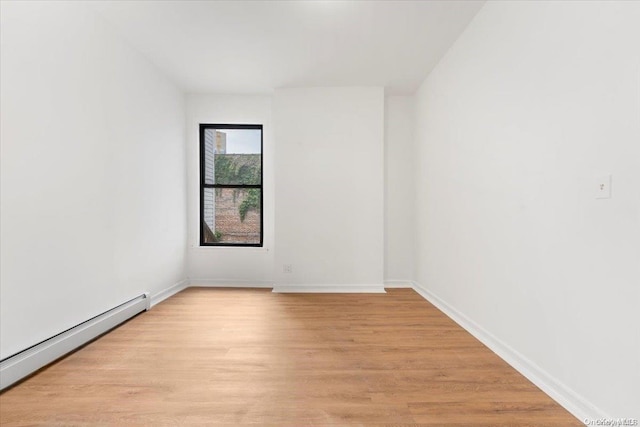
x=16 y=367
x=244 y=249
x=330 y=289
x=573 y=402
x=229 y=283
x=403 y=284
x=158 y=297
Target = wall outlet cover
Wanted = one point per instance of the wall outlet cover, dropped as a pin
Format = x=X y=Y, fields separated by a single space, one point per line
x=603 y=187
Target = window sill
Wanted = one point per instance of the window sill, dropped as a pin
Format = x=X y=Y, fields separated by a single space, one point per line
x=230 y=248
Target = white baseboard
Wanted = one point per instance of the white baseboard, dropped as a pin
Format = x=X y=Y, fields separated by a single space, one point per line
x=330 y=289
x=17 y=367
x=566 y=397
x=224 y=283
x=402 y=284
x=158 y=297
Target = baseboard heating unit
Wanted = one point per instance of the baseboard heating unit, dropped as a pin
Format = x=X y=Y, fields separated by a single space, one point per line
x=16 y=367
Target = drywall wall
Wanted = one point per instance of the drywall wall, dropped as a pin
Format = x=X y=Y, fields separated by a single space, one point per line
x=93 y=172
x=329 y=185
x=530 y=106
x=398 y=190
x=231 y=265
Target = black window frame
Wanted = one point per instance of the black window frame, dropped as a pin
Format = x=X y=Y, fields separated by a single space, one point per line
x=203 y=184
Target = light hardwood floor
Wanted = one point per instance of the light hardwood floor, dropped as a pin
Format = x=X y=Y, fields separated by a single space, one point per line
x=248 y=356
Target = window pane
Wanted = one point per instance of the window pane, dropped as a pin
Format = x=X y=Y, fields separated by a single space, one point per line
x=231 y=215
x=237 y=156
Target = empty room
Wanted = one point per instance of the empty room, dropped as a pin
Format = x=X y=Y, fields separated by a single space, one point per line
x=320 y=213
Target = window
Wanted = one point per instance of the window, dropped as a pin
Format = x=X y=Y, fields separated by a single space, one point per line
x=230 y=185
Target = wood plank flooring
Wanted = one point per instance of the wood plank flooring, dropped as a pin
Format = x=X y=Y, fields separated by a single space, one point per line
x=248 y=356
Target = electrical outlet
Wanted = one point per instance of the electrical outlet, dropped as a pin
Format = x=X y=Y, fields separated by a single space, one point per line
x=603 y=187
x=286 y=268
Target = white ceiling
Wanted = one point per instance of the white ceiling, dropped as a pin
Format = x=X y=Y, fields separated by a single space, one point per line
x=258 y=46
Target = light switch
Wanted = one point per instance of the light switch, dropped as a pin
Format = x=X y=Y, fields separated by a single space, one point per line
x=603 y=187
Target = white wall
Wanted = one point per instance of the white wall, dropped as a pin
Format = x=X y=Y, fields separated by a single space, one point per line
x=231 y=265
x=531 y=104
x=329 y=185
x=399 y=190
x=93 y=175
